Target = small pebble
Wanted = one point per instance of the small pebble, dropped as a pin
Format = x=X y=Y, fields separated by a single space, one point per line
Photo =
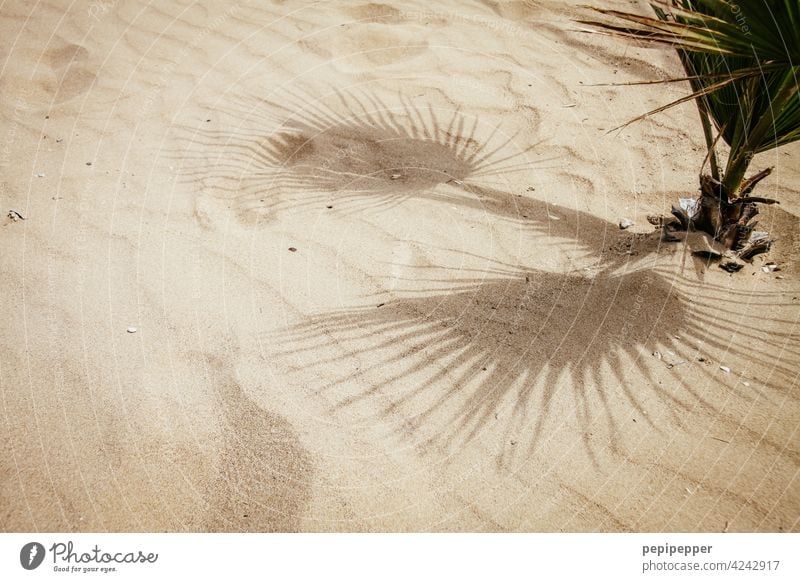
x=725 y=369
x=40 y=175
x=396 y=176
x=625 y=223
x=132 y=329
x=292 y=249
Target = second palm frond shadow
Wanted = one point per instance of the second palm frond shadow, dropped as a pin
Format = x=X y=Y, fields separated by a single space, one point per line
x=504 y=349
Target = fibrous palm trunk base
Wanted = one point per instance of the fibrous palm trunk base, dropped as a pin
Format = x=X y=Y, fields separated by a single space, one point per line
x=726 y=218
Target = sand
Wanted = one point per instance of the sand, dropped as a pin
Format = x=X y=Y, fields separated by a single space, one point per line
x=357 y=267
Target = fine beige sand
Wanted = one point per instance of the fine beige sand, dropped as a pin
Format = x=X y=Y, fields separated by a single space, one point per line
x=341 y=266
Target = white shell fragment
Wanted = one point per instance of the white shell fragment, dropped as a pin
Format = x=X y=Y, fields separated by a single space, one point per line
x=132 y=329
x=688 y=205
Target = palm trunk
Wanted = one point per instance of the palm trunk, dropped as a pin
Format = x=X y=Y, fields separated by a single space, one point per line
x=727 y=217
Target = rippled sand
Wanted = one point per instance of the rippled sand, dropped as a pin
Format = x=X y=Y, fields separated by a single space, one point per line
x=357 y=267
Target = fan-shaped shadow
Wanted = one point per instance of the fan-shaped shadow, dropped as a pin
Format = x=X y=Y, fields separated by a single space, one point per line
x=491 y=346
x=504 y=349
x=363 y=153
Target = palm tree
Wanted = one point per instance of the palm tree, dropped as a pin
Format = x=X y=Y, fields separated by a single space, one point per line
x=742 y=61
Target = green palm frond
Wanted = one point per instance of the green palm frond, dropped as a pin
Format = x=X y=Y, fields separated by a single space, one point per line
x=742 y=60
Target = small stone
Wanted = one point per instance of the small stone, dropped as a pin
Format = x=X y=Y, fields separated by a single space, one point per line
x=396 y=176
x=625 y=223
x=725 y=369
x=657 y=355
x=88 y=163
x=40 y=175
x=292 y=249
x=132 y=329
x=746 y=383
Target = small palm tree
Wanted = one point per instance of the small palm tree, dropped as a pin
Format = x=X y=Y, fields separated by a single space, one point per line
x=742 y=60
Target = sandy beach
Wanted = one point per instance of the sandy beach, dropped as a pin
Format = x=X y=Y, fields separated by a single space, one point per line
x=347 y=266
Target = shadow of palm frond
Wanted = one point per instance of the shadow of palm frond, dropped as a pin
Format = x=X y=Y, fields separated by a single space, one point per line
x=358 y=152
x=525 y=353
x=485 y=348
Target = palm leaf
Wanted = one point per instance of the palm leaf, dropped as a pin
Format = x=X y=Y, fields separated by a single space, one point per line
x=742 y=61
